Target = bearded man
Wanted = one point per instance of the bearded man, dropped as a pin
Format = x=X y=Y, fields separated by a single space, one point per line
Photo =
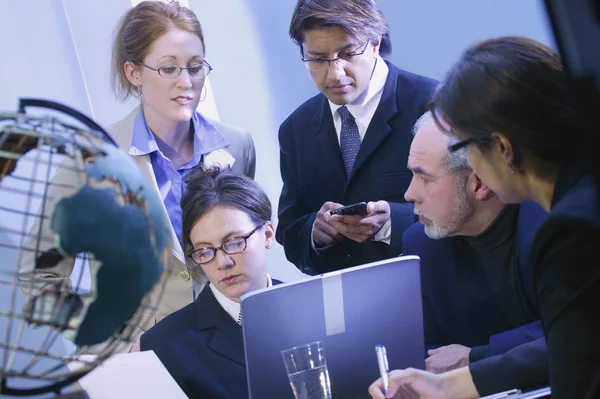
x=478 y=300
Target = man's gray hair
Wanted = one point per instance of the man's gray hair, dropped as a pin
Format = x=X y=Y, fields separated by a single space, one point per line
x=456 y=162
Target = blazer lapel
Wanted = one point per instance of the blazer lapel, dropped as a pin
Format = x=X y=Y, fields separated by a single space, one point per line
x=326 y=139
x=145 y=165
x=379 y=127
x=122 y=133
x=227 y=339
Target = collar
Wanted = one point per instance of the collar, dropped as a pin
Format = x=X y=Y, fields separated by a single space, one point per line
x=566 y=179
x=229 y=305
x=359 y=107
x=206 y=136
x=498 y=232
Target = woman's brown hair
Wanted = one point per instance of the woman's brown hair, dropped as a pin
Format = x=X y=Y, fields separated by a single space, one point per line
x=138 y=29
x=515 y=86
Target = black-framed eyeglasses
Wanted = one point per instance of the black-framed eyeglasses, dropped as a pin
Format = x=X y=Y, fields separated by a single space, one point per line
x=322 y=64
x=235 y=245
x=466 y=142
x=460 y=145
x=173 y=71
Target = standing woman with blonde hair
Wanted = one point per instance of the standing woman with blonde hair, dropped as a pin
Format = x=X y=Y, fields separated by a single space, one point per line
x=159 y=57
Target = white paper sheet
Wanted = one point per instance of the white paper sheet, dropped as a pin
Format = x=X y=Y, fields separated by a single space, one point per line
x=137 y=375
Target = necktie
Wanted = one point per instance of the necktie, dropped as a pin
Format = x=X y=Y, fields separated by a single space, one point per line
x=349 y=139
x=239 y=320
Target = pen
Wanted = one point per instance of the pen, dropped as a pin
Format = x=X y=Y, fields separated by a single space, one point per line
x=504 y=394
x=382 y=362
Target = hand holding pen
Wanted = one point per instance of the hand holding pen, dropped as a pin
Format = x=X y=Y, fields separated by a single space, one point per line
x=414 y=384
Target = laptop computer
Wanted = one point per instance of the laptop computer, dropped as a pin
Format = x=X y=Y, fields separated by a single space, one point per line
x=350 y=311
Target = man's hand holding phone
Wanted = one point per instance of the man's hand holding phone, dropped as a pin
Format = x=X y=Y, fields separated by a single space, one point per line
x=323 y=233
x=359 y=228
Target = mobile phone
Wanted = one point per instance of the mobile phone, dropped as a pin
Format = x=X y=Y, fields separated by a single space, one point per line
x=360 y=209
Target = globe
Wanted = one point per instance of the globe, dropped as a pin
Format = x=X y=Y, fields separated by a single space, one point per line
x=84 y=243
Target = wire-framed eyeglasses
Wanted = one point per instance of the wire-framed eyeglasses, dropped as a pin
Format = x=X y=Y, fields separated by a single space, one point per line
x=322 y=64
x=173 y=71
x=235 y=245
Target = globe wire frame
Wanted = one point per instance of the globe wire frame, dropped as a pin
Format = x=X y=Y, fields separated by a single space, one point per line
x=65 y=379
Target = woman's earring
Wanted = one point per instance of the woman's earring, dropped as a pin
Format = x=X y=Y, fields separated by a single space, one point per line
x=140 y=95
x=205 y=93
x=511 y=171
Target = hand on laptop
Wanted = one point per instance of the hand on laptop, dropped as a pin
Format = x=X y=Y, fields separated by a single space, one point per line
x=447 y=358
x=361 y=228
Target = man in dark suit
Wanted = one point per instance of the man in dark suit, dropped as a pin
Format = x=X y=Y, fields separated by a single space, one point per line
x=478 y=299
x=349 y=143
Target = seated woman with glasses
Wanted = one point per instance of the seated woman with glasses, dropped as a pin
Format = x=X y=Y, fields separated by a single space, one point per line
x=227 y=231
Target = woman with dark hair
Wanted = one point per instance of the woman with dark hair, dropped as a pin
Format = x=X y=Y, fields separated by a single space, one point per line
x=227 y=231
x=508 y=102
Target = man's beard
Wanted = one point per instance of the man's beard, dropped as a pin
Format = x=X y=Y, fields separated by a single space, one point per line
x=462 y=210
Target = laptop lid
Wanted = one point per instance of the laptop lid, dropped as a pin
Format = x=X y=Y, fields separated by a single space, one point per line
x=351 y=311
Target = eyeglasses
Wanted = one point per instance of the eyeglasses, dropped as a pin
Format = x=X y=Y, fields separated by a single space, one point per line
x=464 y=143
x=173 y=71
x=202 y=256
x=322 y=64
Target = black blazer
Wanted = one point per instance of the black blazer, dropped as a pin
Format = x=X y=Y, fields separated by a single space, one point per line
x=313 y=173
x=202 y=348
x=566 y=256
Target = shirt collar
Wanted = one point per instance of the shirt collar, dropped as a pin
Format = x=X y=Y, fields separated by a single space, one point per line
x=229 y=305
x=358 y=108
x=142 y=141
x=207 y=137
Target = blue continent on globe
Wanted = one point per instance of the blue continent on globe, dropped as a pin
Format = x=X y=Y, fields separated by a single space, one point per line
x=127 y=233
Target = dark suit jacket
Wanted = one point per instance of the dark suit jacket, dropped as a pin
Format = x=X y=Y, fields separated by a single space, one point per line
x=202 y=348
x=458 y=308
x=566 y=257
x=313 y=173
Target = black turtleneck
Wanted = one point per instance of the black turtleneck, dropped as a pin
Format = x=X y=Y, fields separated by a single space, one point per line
x=475 y=288
x=494 y=252
x=492 y=256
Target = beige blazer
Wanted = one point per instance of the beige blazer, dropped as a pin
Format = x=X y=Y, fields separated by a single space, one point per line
x=178 y=291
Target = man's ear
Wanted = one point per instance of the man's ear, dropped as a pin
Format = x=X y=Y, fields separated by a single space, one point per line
x=376 y=46
x=479 y=190
x=133 y=73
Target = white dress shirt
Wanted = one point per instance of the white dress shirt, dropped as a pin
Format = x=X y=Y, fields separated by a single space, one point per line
x=363 y=109
x=229 y=305
x=365 y=105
